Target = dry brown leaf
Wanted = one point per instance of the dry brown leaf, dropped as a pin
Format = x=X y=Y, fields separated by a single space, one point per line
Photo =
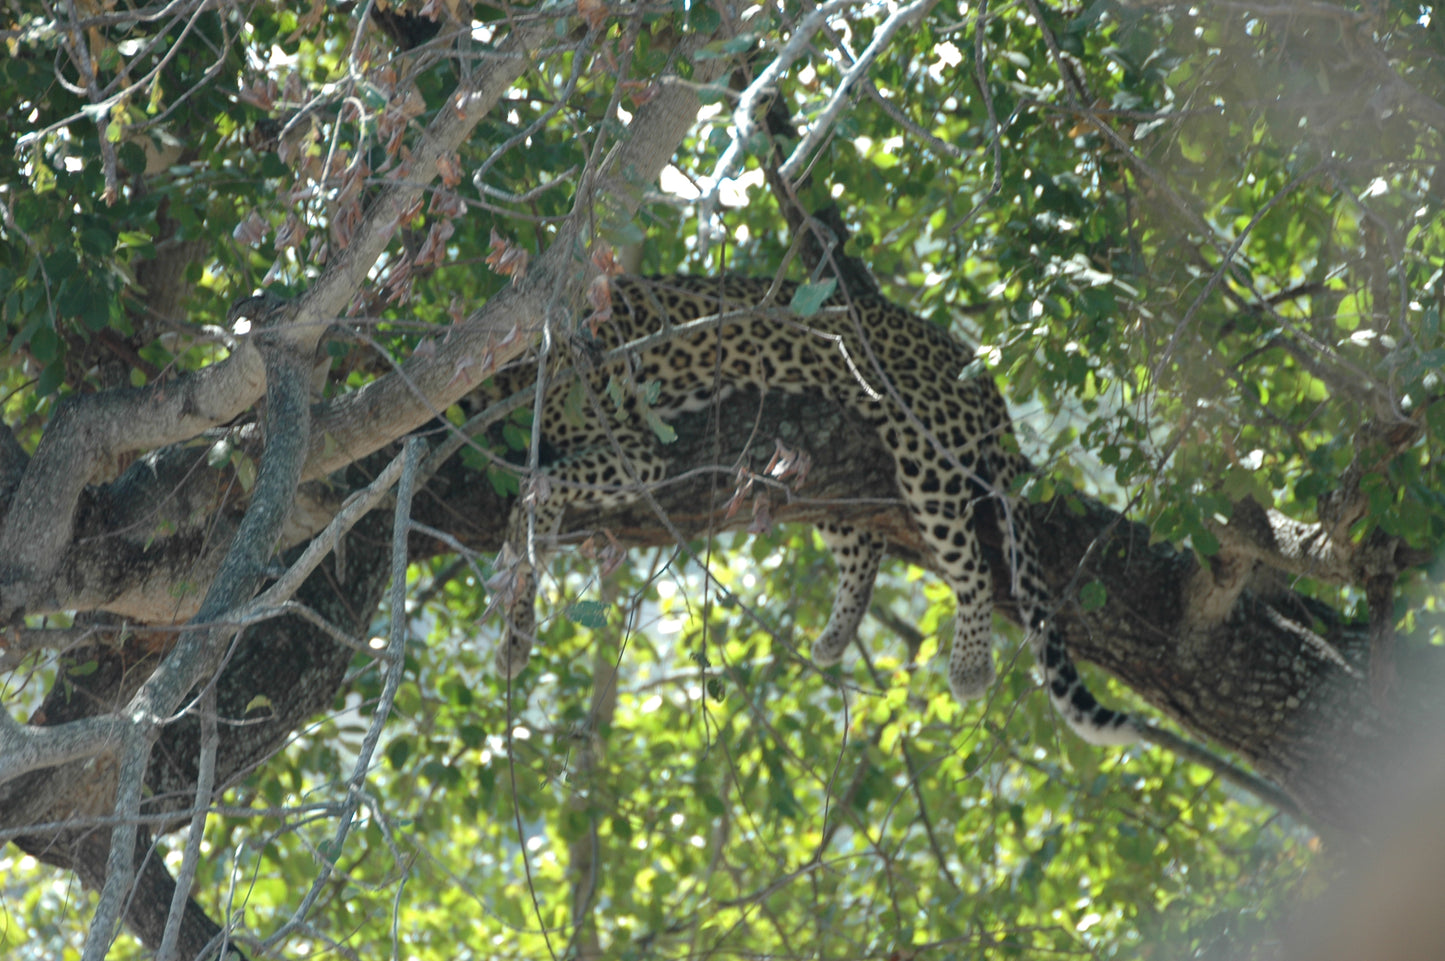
x=291 y=234
x=450 y=169
x=599 y=297
x=762 y=514
x=434 y=249
x=593 y=11
x=252 y=230
x=507 y=259
x=605 y=260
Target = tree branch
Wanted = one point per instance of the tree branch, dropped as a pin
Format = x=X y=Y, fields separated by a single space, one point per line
x=198 y=653
x=88 y=431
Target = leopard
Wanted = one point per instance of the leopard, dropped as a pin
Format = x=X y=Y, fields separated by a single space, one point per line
x=697 y=340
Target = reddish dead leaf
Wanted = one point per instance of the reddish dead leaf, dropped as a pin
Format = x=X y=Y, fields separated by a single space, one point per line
x=411 y=214
x=252 y=230
x=450 y=169
x=457 y=310
x=593 y=11
x=399 y=281
x=787 y=462
x=293 y=90
x=401 y=293
x=502 y=587
x=355 y=180
x=260 y=94
x=291 y=234
x=344 y=223
x=413 y=104
x=599 y=297
x=612 y=557
x=391 y=125
x=762 y=514
x=605 y=260
x=740 y=493
x=444 y=203
x=537 y=490
x=609 y=555
x=639 y=91
x=507 y=259
x=337 y=165
x=464 y=372
x=434 y=248
x=295 y=144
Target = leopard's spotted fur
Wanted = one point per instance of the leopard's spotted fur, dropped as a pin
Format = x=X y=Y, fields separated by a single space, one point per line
x=900 y=372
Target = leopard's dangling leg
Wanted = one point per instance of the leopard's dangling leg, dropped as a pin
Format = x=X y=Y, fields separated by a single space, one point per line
x=970 y=658
x=857 y=554
x=948 y=531
x=521 y=629
x=592 y=472
x=516 y=587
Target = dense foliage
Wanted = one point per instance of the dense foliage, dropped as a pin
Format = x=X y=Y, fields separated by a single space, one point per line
x=1199 y=244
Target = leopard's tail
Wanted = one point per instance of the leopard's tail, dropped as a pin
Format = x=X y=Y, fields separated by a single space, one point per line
x=1072 y=698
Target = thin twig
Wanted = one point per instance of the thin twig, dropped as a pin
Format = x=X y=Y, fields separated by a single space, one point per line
x=191 y=859
x=822 y=126
x=395 y=658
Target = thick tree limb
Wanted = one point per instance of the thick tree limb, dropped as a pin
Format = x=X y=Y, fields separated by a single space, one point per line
x=89 y=431
x=358 y=423
x=1278 y=681
x=199 y=650
x=128 y=572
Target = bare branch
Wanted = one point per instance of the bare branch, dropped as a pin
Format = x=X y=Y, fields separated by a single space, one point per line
x=822 y=126
x=394 y=658
x=191 y=859
x=361 y=422
x=91 y=430
x=199 y=650
x=745 y=115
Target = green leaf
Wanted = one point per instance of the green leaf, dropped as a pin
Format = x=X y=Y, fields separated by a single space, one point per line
x=504 y=482
x=245 y=467
x=84 y=669
x=808 y=299
x=1093 y=595
x=660 y=427
x=398 y=751
x=703 y=18
x=590 y=614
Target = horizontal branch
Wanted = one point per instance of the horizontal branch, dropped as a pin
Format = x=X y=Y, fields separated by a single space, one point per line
x=90 y=431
